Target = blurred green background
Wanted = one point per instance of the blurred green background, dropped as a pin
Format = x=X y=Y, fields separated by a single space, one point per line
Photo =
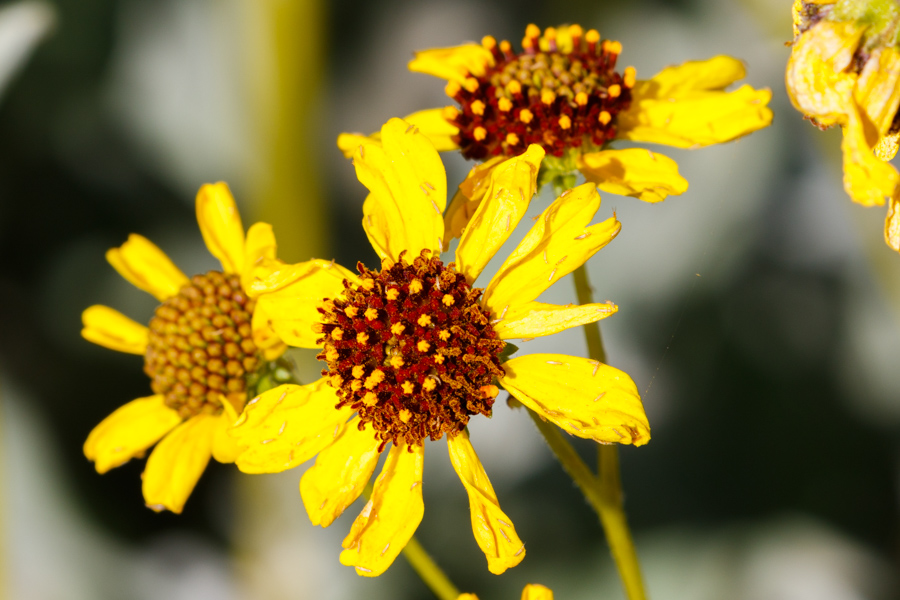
x=758 y=312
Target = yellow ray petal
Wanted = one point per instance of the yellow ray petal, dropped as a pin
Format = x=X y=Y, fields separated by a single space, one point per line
x=467 y=198
x=535 y=319
x=341 y=472
x=696 y=119
x=376 y=226
x=557 y=244
x=259 y=253
x=636 y=172
x=513 y=183
x=286 y=426
x=867 y=179
x=877 y=90
x=886 y=148
x=111 y=329
x=409 y=188
x=220 y=224
x=467 y=597
x=391 y=517
x=892 y=223
x=435 y=127
x=147 y=267
x=129 y=431
x=715 y=73
x=224 y=447
x=349 y=143
x=493 y=530
x=535 y=591
x=290 y=296
x=177 y=462
x=584 y=397
x=264 y=335
x=452 y=64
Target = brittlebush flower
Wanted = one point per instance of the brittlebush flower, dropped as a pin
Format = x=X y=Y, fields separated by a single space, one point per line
x=844 y=70
x=532 y=591
x=413 y=350
x=563 y=93
x=203 y=341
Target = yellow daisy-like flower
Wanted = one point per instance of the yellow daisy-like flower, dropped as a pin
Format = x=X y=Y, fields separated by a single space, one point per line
x=413 y=350
x=203 y=342
x=844 y=70
x=532 y=591
x=563 y=93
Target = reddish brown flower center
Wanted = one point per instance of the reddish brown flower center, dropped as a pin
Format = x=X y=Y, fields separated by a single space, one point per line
x=201 y=345
x=411 y=350
x=557 y=99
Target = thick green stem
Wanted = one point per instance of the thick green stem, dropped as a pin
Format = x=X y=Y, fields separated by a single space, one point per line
x=436 y=580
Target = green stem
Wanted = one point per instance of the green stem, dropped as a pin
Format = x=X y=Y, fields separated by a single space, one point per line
x=585 y=295
x=431 y=574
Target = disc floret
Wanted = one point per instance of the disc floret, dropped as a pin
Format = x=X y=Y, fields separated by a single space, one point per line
x=411 y=349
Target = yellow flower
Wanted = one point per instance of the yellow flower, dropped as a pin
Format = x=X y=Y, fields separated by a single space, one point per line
x=844 y=70
x=202 y=342
x=403 y=391
x=563 y=93
x=532 y=591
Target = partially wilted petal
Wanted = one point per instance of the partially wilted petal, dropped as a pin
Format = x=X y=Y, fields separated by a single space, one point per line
x=633 y=172
x=867 y=179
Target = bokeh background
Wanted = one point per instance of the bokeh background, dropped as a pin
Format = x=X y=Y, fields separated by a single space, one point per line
x=759 y=312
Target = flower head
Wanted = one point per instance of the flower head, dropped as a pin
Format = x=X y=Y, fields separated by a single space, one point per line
x=844 y=70
x=204 y=343
x=564 y=92
x=413 y=350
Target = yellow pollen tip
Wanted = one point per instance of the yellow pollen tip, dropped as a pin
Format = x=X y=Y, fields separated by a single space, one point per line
x=471 y=84
x=489 y=391
x=532 y=31
x=429 y=384
x=452 y=89
x=351 y=311
x=405 y=415
x=478 y=107
x=337 y=334
x=374 y=379
x=397 y=328
x=548 y=96
x=480 y=133
x=604 y=117
x=336 y=381
x=408 y=387
x=565 y=122
x=415 y=286
x=439 y=359
x=615 y=90
x=370 y=399
x=527 y=43
x=449 y=113
x=630 y=77
x=362 y=337
x=424 y=320
x=444 y=335
x=576 y=31
x=550 y=33
x=514 y=87
x=612 y=47
x=448 y=300
x=504 y=104
x=392 y=294
x=368 y=284
x=505 y=47
x=512 y=139
x=318 y=328
x=356 y=385
x=423 y=346
x=371 y=314
x=358 y=371
x=581 y=98
x=331 y=354
x=592 y=36
x=489 y=42
x=396 y=361
x=526 y=116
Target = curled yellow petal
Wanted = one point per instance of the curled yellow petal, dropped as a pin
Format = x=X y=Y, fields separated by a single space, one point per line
x=390 y=518
x=892 y=223
x=111 y=329
x=340 y=473
x=636 y=172
x=877 y=90
x=867 y=179
x=220 y=224
x=177 y=462
x=535 y=591
x=286 y=426
x=886 y=148
x=535 y=319
x=290 y=295
x=557 y=244
x=147 y=267
x=408 y=188
x=584 y=397
x=453 y=64
x=467 y=198
x=513 y=183
x=493 y=530
x=224 y=447
x=129 y=431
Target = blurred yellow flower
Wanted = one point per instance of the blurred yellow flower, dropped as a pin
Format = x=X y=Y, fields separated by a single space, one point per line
x=563 y=93
x=203 y=341
x=531 y=591
x=844 y=70
x=413 y=350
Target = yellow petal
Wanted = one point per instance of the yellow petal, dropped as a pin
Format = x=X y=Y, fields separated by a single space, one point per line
x=435 y=127
x=177 y=462
x=376 y=226
x=513 y=183
x=220 y=224
x=584 y=397
x=715 y=73
x=264 y=335
x=535 y=319
x=129 y=431
x=867 y=179
x=892 y=223
x=696 y=119
x=391 y=517
x=633 y=172
x=286 y=426
x=493 y=530
x=557 y=244
x=290 y=296
x=467 y=198
x=877 y=90
x=453 y=64
x=147 y=267
x=886 y=148
x=349 y=143
x=111 y=329
x=341 y=472
x=259 y=253
x=534 y=591
x=467 y=597
x=224 y=447
x=409 y=188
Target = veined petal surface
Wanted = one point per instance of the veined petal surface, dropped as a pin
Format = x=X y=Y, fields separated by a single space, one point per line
x=452 y=64
x=493 y=530
x=584 y=397
x=129 y=431
x=867 y=179
x=535 y=319
x=286 y=426
x=467 y=198
x=146 y=267
x=391 y=517
x=259 y=253
x=877 y=91
x=636 y=172
x=111 y=329
x=341 y=472
x=715 y=73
